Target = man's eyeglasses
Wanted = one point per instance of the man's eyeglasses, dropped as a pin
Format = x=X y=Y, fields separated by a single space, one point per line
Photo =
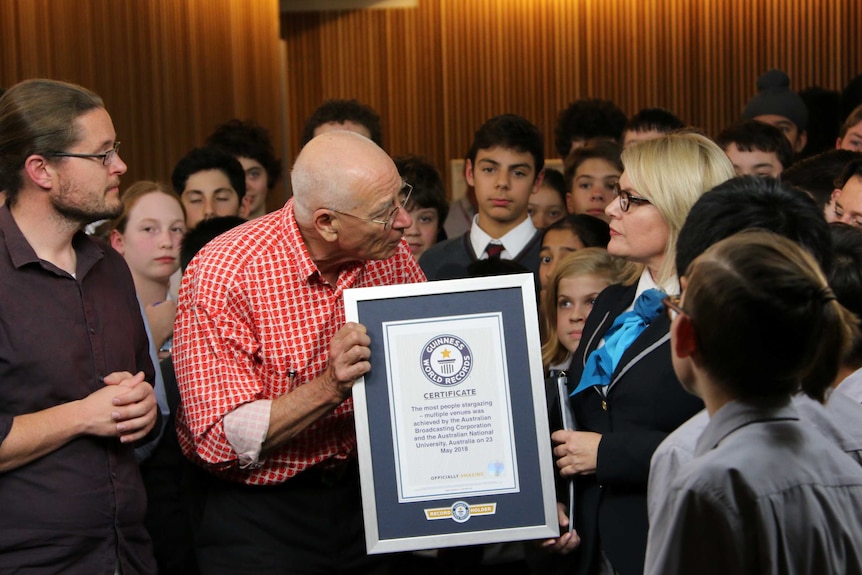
x=105 y=157
x=627 y=198
x=672 y=307
x=403 y=198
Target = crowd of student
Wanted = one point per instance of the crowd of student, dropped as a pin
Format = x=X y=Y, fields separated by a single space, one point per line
x=714 y=370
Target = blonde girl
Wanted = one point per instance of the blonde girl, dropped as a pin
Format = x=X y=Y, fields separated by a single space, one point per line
x=571 y=290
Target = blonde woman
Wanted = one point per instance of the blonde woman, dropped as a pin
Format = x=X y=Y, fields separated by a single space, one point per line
x=626 y=398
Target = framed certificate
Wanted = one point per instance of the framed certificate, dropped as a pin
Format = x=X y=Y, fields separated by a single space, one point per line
x=451 y=421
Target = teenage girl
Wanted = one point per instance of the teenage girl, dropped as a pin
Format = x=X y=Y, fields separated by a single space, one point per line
x=148 y=234
x=571 y=290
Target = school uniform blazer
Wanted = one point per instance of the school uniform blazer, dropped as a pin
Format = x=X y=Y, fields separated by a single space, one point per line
x=644 y=403
x=450 y=258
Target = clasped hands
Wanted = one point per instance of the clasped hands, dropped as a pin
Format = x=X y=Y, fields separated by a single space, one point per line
x=125 y=407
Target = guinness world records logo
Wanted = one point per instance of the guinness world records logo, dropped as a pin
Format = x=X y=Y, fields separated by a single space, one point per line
x=446 y=360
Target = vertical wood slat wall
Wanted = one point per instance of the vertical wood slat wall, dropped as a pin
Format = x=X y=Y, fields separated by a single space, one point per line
x=437 y=71
x=169 y=71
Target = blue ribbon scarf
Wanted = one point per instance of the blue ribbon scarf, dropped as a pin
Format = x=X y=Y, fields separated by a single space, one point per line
x=623 y=332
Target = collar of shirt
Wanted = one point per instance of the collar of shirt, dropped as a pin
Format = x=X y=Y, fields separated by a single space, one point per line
x=736 y=414
x=21 y=253
x=563 y=365
x=646 y=282
x=852 y=385
x=514 y=241
x=298 y=252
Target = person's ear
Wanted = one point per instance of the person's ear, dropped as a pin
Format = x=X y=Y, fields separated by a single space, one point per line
x=801 y=140
x=116 y=239
x=325 y=225
x=838 y=144
x=538 y=183
x=468 y=172
x=684 y=340
x=39 y=171
x=570 y=202
x=244 y=207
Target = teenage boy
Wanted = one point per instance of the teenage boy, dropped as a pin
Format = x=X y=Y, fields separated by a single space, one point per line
x=776 y=104
x=250 y=144
x=850 y=136
x=427 y=206
x=585 y=120
x=505 y=165
x=650 y=123
x=350 y=115
x=846 y=203
x=816 y=175
x=210 y=183
x=756 y=149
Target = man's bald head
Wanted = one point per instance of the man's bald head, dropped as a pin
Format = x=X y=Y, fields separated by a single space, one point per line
x=332 y=171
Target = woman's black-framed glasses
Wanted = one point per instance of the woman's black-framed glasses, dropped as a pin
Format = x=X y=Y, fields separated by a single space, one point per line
x=106 y=157
x=403 y=198
x=627 y=198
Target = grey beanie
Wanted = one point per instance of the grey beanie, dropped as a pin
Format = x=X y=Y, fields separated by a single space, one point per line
x=774 y=96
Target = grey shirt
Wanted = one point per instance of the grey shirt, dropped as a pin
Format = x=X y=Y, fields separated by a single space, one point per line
x=852 y=386
x=764 y=493
x=839 y=421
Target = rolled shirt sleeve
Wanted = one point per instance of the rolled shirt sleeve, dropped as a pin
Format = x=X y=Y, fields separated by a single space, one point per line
x=245 y=428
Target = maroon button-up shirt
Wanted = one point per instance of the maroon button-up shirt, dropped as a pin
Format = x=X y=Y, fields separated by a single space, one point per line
x=81 y=507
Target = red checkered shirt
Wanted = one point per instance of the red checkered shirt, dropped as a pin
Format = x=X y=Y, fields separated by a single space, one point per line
x=252 y=310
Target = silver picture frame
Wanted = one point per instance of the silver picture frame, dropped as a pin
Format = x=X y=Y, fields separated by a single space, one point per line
x=451 y=421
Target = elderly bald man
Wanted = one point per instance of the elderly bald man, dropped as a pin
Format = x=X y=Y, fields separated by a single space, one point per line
x=265 y=364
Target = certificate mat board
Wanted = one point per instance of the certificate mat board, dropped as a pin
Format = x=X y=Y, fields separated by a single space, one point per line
x=451 y=421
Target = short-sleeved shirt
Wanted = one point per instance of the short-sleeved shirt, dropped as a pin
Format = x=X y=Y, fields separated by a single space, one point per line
x=82 y=506
x=254 y=321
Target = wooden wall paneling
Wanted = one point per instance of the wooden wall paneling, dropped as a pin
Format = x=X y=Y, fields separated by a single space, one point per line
x=428 y=69
x=168 y=71
x=545 y=81
x=395 y=73
x=9 y=44
x=465 y=95
x=832 y=21
x=701 y=91
x=399 y=90
x=414 y=89
x=563 y=62
x=452 y=64
x=207 y=30
x=688 y=85
x=304 y=71
x=851 y=32
x=453 y=48
x=163 y=63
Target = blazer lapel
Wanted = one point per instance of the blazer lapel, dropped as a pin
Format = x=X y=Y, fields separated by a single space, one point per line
x=652 y=338
x=618 y=306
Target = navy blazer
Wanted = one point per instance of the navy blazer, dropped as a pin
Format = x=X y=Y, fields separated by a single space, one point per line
x=644 y=403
